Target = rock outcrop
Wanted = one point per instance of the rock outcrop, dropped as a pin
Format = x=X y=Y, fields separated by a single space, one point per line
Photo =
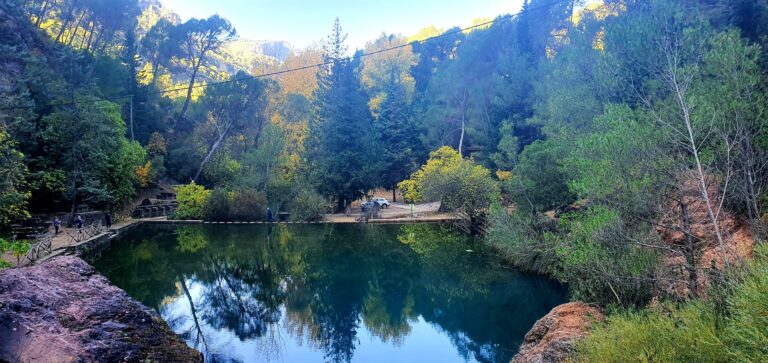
x=552 y=337
x=64 y=311
x=738 y=238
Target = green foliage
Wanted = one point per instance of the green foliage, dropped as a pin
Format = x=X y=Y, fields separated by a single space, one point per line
x=396 y=136
x=440 y=159
x=192 y=199
x=218 y=206
x=601 y=261
x=621 y=162
x=342 y=158
x=248 y=205
x=17 y=249
x=523 y=239
x=242 y=204
x=459 y=185
x=692 y=332
x=687 y=334
x=538 y=181
x=13 y=194
x=746 y=330
x=308 y=205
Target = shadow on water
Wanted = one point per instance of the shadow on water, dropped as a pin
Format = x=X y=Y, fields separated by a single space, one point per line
x=337 y=293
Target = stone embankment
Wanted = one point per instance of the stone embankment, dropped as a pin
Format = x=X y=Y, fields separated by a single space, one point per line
x=64 y=311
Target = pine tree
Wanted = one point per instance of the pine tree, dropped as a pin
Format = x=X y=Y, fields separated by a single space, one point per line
x=341 y=144
x=397 y=136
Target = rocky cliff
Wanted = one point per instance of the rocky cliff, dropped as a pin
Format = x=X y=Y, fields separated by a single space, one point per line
x=64 y=311
x=552 y=337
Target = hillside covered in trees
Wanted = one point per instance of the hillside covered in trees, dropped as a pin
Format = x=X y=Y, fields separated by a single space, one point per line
x=620 y=146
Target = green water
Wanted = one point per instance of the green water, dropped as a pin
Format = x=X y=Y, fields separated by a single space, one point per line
x=330 y=293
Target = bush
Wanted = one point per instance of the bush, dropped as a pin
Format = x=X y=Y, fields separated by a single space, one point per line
x=217 y=207
x=538 y=182
x=600 y=261
x=248 y=205
x=308 y=206
x=17 y=249
x=747 y=326
x=692 y=332
x=524 y=239
x=192 y=199
x=687 y=334
x=459 y=185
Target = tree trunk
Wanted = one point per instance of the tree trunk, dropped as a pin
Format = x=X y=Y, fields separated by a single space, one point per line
x=89 y=32
x=74 y=33
x=461 y=138
x=90 y=37
x=463 y=121
x=394 y=197
x=210 y=152
x=155 y=69
x=200 y=335
x=690 y=251
x=699 y=168
x=41 y=14
x=64 y=26
x=74 y=203
x=189 y=89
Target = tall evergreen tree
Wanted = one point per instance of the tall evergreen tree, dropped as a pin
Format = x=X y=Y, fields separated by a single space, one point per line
x=341 y=154
x=397 y=136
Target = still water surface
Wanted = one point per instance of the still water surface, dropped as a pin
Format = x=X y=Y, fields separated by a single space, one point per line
x=330 y=293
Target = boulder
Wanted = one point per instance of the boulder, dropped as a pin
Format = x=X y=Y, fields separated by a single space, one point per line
x=64 y=311
x=552 y=337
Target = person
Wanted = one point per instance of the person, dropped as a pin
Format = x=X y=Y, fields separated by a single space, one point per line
x=79 y=222
x=56 y=224
x=270 y=217
x=108 y=219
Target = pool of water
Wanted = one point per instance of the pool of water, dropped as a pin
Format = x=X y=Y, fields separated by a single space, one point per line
x=330 y=293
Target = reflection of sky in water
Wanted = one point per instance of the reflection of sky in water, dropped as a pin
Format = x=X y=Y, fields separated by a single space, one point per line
x=330 y=293
x=424 y=343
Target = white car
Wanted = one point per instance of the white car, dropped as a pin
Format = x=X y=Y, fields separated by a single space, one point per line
x=382 y=202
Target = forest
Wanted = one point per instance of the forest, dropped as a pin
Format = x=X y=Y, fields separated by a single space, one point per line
x=619 y=146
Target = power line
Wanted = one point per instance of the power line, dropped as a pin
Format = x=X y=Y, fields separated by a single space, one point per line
x=297 y=69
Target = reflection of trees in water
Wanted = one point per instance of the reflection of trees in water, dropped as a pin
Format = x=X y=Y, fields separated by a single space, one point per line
x=385 y=321
x=330 y=279
x=243 y=298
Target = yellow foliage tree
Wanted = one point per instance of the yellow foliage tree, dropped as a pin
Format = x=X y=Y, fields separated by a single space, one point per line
x=143 y=173
x=439 y=160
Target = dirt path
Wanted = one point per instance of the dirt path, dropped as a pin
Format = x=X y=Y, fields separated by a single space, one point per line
x=427 y=212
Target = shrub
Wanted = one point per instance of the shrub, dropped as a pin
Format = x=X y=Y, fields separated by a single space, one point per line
x=458 y=184
x=686 y=334
x=248 y=205
x=192 y=199
x=747 y=326
x=308 y=205
x=17 y=249
x=600 y=261
x=538 y=182
x=217 y=206
x=524 y=239
x=439 y=160
x=692 y=332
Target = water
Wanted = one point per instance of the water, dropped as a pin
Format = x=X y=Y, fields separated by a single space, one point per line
x=330 y=293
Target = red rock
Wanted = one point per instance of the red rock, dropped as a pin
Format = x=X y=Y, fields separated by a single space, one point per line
x=64 y=311
x=552 y=337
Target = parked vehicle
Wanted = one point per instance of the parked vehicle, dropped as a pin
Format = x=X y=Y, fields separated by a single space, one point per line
x=365 y=206
x=382 y=202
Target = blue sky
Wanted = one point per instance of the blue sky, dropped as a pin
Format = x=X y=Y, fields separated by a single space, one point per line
x=301 y=22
